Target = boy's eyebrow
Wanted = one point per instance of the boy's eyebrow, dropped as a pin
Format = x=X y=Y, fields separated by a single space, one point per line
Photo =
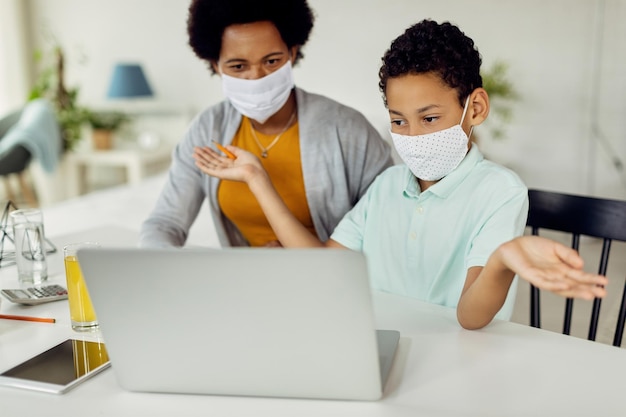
x=418 y=111
x=428 y=108
x=266 y=57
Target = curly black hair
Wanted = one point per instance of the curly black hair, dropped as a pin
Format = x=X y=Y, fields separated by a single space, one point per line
x=208 y=18
x=442 y=49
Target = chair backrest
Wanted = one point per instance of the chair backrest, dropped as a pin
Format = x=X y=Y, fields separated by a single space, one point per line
x=579 y=215
x=8 y=121
x=15 y=159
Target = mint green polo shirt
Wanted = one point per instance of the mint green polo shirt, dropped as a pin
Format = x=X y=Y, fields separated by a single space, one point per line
x=421 y=244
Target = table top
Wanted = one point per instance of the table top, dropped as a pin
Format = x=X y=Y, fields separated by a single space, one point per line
x=440 y=369
x=119 y=154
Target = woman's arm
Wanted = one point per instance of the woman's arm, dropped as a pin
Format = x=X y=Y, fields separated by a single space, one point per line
x=545 y=263
x=178 y=204
x=247 y=168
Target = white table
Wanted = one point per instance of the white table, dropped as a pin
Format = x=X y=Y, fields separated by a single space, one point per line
x=137 y=162
x=440 y=369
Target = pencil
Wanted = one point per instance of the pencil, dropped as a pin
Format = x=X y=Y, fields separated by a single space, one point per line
x=27 y=318
x=228 y=153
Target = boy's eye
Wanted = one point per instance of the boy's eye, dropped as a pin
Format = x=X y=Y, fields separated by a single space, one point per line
x=273 y=61
x=398 y=122
x=430 y=119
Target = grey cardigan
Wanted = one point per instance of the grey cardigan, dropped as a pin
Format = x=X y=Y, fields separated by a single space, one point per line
x=341 y=152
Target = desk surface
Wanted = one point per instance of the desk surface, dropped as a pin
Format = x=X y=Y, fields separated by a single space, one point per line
x=440 y=369
x=118 y=154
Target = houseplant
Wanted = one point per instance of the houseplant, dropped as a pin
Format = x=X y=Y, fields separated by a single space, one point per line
x=103 y=125
x=50 y=84
x=502 y=95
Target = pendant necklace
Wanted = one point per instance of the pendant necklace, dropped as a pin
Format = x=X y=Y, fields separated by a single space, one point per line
x=265 y=150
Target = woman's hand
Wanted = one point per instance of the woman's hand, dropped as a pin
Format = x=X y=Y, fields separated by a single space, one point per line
x=551 y=266
x=245 y=167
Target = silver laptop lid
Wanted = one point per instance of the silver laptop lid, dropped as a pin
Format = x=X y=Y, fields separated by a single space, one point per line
x=237 y=321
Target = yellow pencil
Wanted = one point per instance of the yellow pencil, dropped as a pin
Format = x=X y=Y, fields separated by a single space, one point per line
x=228 y=153
x=27 y=318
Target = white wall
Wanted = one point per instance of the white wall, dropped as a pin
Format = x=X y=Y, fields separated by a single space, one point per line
x=566 y=58
x=14 y=80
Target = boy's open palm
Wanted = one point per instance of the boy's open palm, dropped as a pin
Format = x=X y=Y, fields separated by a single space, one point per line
x=552 y=266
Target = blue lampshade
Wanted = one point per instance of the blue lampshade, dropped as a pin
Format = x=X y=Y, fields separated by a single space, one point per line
x=128 y=81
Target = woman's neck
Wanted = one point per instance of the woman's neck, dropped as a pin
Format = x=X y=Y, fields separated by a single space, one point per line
x=277 y=122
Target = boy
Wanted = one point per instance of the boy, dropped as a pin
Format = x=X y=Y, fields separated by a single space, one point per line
x=435 y=228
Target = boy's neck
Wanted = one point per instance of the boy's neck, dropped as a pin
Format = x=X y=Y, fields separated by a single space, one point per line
x=424 y=185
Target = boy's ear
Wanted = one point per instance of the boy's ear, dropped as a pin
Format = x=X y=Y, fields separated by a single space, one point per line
x=478 y=107
x=213 y=65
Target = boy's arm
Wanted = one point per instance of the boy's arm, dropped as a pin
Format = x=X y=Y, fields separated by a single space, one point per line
x=545 y=263
x=247 y=168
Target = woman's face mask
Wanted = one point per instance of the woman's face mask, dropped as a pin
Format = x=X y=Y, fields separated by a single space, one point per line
x=259 y=99
x=432 y=156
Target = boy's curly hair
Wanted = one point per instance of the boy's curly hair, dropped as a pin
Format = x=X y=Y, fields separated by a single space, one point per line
x=438 y=48
x=207 y=20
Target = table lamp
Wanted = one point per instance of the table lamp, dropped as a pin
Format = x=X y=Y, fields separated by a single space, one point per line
x=129 y=82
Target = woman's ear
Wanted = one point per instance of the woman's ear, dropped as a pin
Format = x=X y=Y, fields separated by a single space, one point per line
x=293 y=54
x=215 y=67
x=478 y=106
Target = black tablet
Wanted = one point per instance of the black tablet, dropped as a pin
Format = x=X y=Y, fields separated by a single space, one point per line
x=59 y=368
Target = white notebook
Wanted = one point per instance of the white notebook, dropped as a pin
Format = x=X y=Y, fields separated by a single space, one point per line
x=240 y=321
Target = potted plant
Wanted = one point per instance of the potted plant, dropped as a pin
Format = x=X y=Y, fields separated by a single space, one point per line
x=103 y=125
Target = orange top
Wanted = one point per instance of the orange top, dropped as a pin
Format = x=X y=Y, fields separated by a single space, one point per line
x=283 y=164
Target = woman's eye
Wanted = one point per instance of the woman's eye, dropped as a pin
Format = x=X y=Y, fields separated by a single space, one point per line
x=397 y=122
x=430 y=119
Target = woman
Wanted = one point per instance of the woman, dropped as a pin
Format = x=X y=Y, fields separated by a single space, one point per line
x=321 y=155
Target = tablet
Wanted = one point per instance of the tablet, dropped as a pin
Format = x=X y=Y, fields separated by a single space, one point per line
x=59 y=368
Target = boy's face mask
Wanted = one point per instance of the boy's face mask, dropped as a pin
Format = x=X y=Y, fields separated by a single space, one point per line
x=432 y=156
x=259 y=99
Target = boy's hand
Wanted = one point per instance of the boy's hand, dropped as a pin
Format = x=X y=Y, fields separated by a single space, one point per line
x=245 y=167
x=551 y=266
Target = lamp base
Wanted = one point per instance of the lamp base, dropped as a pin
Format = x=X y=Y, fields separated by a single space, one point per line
x=149 y=140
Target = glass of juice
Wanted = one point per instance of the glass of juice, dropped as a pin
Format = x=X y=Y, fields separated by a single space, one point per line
x=82 y=314
x=88 y=355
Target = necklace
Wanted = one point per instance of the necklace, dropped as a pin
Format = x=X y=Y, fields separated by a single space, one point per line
x=265 y=150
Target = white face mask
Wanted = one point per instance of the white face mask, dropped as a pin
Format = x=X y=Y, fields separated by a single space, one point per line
x=261 y=98
x=432 y=156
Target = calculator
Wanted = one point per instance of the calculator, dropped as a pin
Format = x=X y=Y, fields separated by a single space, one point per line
x=36 y=295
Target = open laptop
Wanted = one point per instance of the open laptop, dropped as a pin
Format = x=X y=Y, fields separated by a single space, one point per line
x=256 y=322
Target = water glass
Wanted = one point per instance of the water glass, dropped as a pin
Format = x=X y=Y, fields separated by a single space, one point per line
x=30 y=251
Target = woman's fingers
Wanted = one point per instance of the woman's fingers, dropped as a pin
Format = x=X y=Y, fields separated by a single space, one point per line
x=208 y=158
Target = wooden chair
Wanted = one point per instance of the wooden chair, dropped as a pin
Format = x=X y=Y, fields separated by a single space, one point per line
x=579 y=215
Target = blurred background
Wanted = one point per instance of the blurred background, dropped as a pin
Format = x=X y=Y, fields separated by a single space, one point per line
x=564 y=59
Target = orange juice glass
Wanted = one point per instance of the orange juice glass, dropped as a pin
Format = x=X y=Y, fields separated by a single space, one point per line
x=88 y=356
x=82 y=314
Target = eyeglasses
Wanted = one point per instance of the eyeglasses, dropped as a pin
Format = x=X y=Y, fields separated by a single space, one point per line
x=7 y=243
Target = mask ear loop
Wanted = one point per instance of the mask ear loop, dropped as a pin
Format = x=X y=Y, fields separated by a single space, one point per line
x=465 y=109
x=463 y=117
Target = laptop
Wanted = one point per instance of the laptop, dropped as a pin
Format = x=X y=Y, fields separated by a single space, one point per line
x=295 y=323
